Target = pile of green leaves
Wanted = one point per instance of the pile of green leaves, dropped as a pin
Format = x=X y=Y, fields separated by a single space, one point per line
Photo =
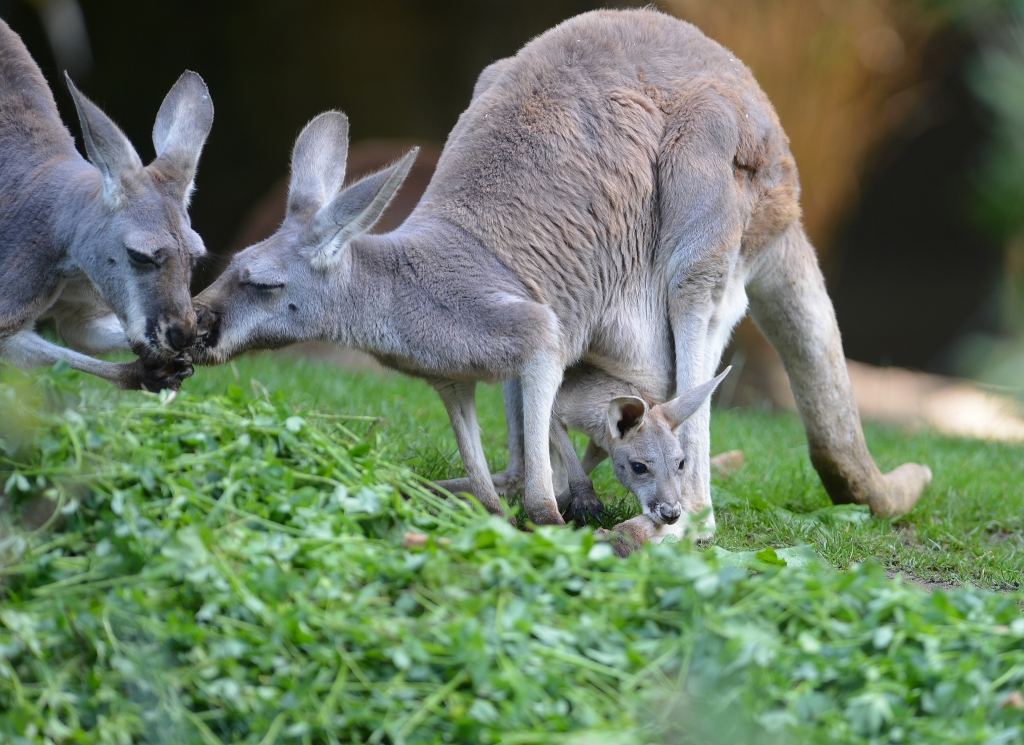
x=226 y=570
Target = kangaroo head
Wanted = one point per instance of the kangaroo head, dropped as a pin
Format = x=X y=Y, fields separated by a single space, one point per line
x=281 y=290
x=643 y=444
x=136 y=243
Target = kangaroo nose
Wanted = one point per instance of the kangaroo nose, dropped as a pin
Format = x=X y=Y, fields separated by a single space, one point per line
x=179 y=338
x=669 y=512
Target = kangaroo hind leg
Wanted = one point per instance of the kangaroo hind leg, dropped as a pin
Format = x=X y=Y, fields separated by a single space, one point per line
x=460 y=400
x=791 y=307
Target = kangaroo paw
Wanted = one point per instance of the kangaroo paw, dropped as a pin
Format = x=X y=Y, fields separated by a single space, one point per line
x=629 y=535
x=905 y=486
x=581 y=512
x=584 y=504
x=157 y=374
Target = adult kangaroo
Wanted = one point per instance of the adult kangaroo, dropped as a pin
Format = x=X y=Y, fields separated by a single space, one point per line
x=104 y=247
x=612 y=195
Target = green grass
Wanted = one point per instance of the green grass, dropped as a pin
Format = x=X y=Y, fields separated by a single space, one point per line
x=230 y=568
x=968 y=527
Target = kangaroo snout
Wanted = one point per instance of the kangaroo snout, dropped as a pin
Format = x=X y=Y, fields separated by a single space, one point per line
x=180 y=336
x=669 y=512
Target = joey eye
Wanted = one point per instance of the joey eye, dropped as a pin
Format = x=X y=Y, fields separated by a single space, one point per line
x=139 y=259
x=638 y=468
x=682 y=462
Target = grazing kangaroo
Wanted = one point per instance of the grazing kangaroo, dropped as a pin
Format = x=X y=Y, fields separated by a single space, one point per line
x=103 y=247
x=613 y=195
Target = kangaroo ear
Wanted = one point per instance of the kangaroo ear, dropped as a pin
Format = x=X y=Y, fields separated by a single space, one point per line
x=318 y=164
x=106 y=145
x=681 y=408
x=357 y=209
x=181 y=127
x=625 y=415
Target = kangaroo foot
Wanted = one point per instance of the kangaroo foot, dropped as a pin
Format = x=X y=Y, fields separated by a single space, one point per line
x=905 y=486
x=504 y=482
x=725 y=464
x=463 y=486
x=455 y=486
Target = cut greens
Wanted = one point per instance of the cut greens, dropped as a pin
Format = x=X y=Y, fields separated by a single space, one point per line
x=228 y=569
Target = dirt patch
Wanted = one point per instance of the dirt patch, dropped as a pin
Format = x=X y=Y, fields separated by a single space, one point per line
x=930 y=584
x=924 y=582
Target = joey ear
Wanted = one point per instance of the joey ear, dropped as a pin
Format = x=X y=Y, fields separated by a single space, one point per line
x=682 y=407
x=180 y=130
x=625 y=415
x=318 y=163
x=357 y=209
x=105 y=144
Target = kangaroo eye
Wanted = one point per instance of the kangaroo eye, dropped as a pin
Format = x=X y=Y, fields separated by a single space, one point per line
x=139 y=258
x=638 y=468
x=264 y=287
x=682 y=463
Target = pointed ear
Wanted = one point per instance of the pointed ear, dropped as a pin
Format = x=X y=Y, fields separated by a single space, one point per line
x=357 y=209
x=625 y=415
x=318 y=163
x=181 y=127
x=106 y=145
x=681 y=408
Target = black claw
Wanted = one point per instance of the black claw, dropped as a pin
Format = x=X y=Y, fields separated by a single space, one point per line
x=156 y=375
x=581 y=510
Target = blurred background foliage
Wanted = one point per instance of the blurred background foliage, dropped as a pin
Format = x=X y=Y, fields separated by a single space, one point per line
x=906 y=118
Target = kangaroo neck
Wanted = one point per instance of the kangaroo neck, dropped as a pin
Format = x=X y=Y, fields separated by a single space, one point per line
x=81 y=209
x=382 y=278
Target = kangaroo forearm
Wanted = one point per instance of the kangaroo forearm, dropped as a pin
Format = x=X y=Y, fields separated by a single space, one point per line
x=593 y=457
x=27 y=350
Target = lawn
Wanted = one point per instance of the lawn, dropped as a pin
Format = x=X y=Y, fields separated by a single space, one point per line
x=968 y=527
x=237 y=566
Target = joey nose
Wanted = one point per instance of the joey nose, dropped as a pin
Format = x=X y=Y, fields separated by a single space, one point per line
x=669 y=512
x=180 y=338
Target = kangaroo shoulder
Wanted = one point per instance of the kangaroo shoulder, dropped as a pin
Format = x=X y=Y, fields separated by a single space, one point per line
x=29 y=282
x=489 y=75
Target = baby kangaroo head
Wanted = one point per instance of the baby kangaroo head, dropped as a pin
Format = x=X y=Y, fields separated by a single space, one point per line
x=284 y=289
x=643 y=443
x=136 y=242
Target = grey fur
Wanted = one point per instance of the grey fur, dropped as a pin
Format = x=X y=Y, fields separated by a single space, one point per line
x=104 y=247
x=608 y=197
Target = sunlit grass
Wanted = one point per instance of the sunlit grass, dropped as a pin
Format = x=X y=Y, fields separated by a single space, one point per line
x=967 y=528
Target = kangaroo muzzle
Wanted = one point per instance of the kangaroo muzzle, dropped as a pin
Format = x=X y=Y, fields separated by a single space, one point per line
x=669 y=513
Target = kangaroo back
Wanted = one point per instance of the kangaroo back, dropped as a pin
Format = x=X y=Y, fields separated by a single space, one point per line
x=29 y=122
